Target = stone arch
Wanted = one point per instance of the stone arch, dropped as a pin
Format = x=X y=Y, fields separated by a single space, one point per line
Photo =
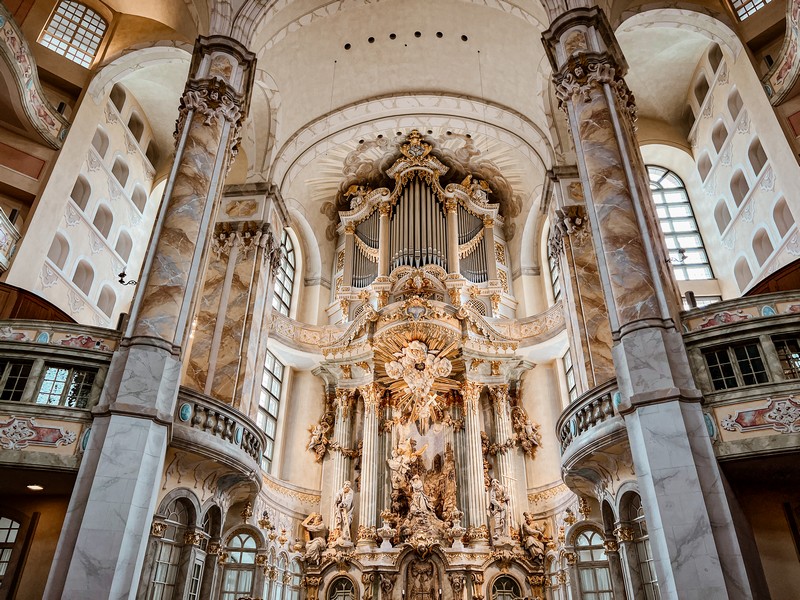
x=308 y=244
x=181 y=494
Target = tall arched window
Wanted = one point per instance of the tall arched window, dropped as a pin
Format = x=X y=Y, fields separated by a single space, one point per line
x=594 y=578
x=269 y=404
x=557 y=578
x=505 y=588
x=684 y=244
x=75 y=32
x=295 y=579
x=341 y=589
x=554 y=268
x=168 y=552
x=281 y=579
x=284 y=282
x=238 y=576
x=634 y=513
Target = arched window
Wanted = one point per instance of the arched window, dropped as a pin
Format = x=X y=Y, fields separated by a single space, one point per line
x=118 y=97
x=634 y=514
x=59 y=251
x=701 y=89
x=757 y=156
x=719 y=135
x=557 y=578
x=75 y=32
x=704 y=166
x=100 y=142
x=742 y=273
x=342 y=589
x=294 y=581
x=120 y=171
x=124 y=246
x=722 y=215
x=139 y=197
x=715 y=57
x=103 y=220
x=555 y=270
x=168 y=551
x=681 y=234
x=83 y=277
x=136 y=126
x=9 y=532
x=782 y=216
x=284 y=282
x=762 y=246
x=739 y=187
x=238 y=576
x=735 y=104
x=505 y=588
x=81 y=192
x=281 y=579
x=269 y=404
x=594 y=578
x=106 y=300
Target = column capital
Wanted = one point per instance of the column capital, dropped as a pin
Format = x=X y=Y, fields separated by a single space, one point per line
x=385 y=208
x=471 y=393
x=371 y=394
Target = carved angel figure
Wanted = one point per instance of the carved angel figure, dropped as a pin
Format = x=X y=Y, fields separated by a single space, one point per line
x=534 y=538
x=318 y=442
x=418 y=368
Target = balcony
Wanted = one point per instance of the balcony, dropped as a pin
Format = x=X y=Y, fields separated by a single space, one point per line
x=212 y=429
x=51 y=375
x=590 y=423
x=745 y=356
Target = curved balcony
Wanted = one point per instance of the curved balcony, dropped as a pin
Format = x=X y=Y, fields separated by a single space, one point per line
x=51 y=375
x=745 y=356
x=589 y=423
x=213 y=429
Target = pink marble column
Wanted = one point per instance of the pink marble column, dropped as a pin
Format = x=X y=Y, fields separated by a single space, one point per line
x=106 y=528
x=571 y=243
x=213 y=107
x=697 y=550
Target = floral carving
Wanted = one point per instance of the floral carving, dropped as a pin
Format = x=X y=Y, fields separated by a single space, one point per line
x=782 y=416
x=19 y=433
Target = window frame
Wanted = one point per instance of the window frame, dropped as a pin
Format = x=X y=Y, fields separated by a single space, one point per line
x=64 y=395
x=593 y=565
x=75 y=31
x=239 y=567
x=677 y=229
x=787 y=356
x=283 y=287
x=569 y=376
x=644 y=553
x=735 y=364
x=267 y=398
x=6 y=366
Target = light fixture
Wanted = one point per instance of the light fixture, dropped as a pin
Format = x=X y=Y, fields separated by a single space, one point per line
x=35 y=487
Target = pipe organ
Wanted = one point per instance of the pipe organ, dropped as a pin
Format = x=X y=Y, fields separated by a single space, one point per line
x=419 y=225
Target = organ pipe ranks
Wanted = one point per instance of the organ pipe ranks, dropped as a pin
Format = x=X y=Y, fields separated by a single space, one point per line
x=419 y=238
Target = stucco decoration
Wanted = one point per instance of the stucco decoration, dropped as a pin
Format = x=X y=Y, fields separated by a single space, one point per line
x=43 y=118
x=19 y=433
x=783 y=75
x=782 y=416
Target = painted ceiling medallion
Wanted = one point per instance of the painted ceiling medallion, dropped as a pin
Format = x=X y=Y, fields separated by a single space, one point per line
x=419 y=368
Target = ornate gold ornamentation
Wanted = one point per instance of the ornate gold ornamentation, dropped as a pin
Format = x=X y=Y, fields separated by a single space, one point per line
x=503 y=277
x=213 y=549
x=495 y=298
x=624 y=533
x=349 y=229
x=247 y=511
x=471 y=393
x=611 y=545
x=366 y=533
x=587 y=72
x=569 y=517
x=299 y=496
x=552 y=492
x=192 y=538
x=371 y=395
x=500 y=253
x=584 y=507
x=415 y=149
x=158 y=528
x=570 y=557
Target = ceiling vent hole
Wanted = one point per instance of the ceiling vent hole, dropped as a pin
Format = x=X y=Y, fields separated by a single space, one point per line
x=439 y=34
x=392 y=36
x=417 y=34
x=464 y=38
x=347 y=46
x=371 y=40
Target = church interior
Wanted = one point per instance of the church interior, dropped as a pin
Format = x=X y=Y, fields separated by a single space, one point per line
x=290 y=310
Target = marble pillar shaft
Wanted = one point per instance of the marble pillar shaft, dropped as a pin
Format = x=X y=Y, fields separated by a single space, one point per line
x=474 y=484
x=453 y=260
x=504 y=459
x=385 y=245
x=368 y=496
x=590 y=316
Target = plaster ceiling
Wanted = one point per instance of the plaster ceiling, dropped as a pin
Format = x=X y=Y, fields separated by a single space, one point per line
x=158 y=90
x=662 y=62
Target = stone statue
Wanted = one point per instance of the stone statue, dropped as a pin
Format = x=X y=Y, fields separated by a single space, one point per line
x=419 y=499
x=318 y=443
x=315 y=544
x=498 y=509
x=448 y=482
x=422 y=580
x=534 y=539
x=344 y=511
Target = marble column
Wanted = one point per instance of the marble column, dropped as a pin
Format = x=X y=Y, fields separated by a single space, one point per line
x=695 y=545
x=368 y=496
x=383 y=232
x=342 y=436
x=103 y=540
x=488 y=240
x=232 y=316
x=571 y=243
x=473 y=482
x=453 y=260
x=504 y=460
